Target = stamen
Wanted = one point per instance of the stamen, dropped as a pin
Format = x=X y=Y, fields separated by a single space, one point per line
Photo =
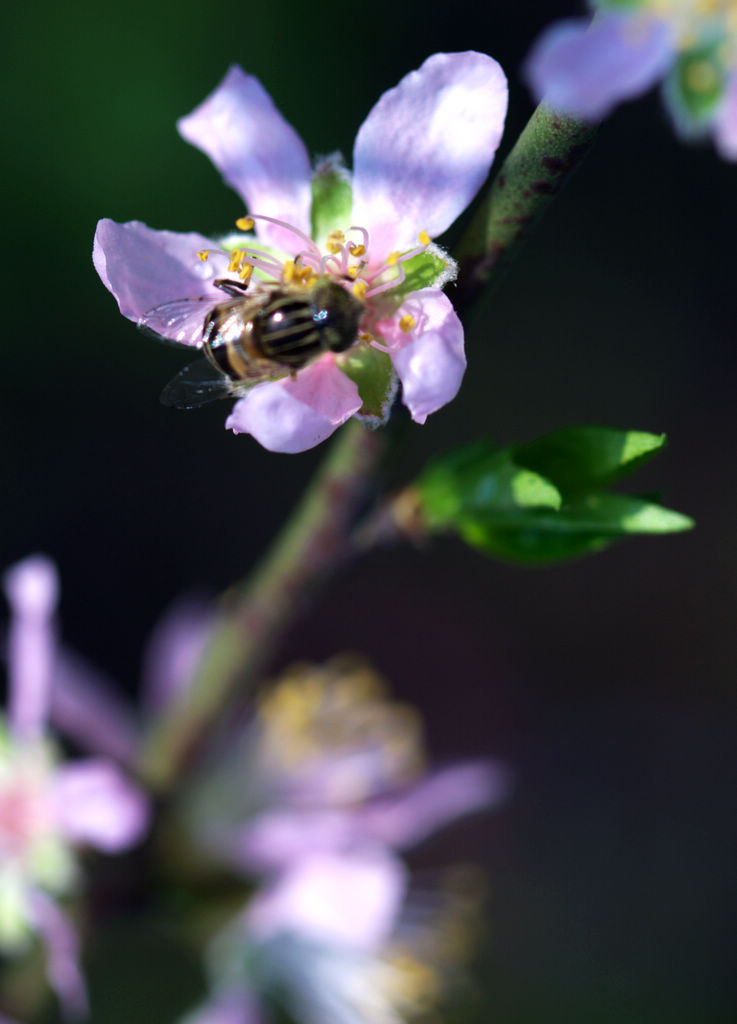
x=245 y=273
x=236 y=259
x=357 y=250
x=245 y=223
x=289 y=227
x=392 y=259
x=388 y=285
x=288 y=273
x=407 y=323
x=335 y=241
x=203 y=254
x=359 y=290
x=423 y=238
x=364 y=234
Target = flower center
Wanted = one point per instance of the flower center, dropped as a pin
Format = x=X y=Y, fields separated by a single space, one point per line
x=347 y=259
x=333 y=726
x=699 y=22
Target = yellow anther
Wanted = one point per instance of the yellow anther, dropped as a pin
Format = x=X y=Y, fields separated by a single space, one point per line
x=366 y=336
x=236 y=259
x=392 y=258
x=354 y=271
x=334 y=242
x=246 y=272
x=359 y=290
x=407 y=323
x=424 y=238
x=245 y=223
x=203 y=254
x=357 y=250
x=288 y=274
x=307 y=276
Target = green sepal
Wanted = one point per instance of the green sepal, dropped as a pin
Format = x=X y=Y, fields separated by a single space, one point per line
x=584 y=458
x=481 y=481
x=332 y=199
x=695 y=85
x=374 y=375
x=432 y=268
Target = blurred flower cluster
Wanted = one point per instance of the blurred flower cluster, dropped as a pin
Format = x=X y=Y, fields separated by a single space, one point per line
x=420 y=157
x=585 y=68
x=49 y=807
x=324 y=787
x=308 y=801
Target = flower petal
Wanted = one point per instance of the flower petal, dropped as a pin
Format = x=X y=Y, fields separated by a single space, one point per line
x=258 y=153
x=144 y=268
x=431 y=360
x=32 y=588
x=63 y=957
x=725 y=122
x=95 y=804
x=174 y=650
x=586 y=68
x=294 y=415
x=433 y=803
x=86 y=707
x=425 y=149
x=346 y=900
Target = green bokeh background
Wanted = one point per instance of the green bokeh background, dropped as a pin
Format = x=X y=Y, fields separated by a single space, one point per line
x=606 y=684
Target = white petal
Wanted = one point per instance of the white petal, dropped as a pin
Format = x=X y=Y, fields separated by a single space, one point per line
x=32 y=588
x=425 y=149
x=93 y=803
x=292 y=416
x=258 y=153
x=431 y=361
x=349 y=900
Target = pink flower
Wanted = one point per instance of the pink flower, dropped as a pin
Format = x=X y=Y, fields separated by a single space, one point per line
x=419 y=159
x=47 y=809
x=330 y=764
x=341 y=937
x=585 y=68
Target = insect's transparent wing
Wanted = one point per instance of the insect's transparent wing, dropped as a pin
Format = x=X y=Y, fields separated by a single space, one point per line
x=196 y=385
x=179 y=322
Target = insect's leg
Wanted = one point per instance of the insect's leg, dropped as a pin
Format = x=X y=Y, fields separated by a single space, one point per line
x=233 y=288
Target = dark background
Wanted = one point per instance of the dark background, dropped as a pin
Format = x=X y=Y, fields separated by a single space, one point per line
x=606 y=684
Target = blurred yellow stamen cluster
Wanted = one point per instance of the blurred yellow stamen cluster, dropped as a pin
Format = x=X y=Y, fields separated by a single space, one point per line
x=407 y=323
x=340 y=710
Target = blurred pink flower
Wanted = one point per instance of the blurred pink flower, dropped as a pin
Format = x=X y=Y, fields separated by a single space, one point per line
x=330 y=764
x=48 y=808
x=341 y=937
x=586 y=68
x=419 y=159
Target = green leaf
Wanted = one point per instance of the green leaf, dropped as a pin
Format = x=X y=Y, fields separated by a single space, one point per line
x=332 y=199
x=587 y=524
x=374 y=375
x=543 y=501
x=583 y=458
x=481 y=481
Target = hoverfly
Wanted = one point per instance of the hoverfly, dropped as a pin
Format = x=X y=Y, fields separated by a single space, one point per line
x=250 y=338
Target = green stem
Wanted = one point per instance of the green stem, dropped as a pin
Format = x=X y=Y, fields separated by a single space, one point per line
x=545 y=155
x=255 y=614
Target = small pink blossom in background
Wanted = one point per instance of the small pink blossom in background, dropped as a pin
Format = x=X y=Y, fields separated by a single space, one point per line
x=339 y=937
x=48 y=808
x=420 y=157
x=330 y=763
x=586 y=68
x=324 y=788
